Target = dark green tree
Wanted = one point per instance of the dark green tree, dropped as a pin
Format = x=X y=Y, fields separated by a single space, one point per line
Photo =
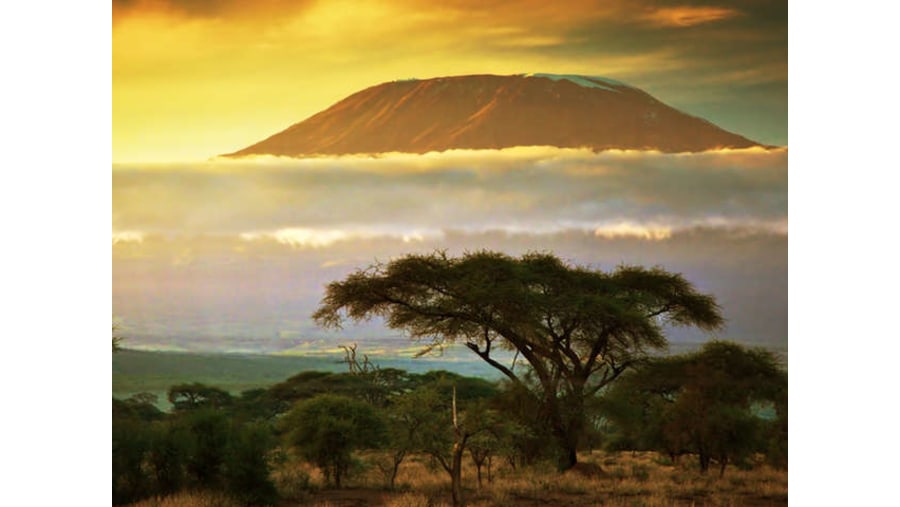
x=577 y=328
x=209 y=433
x=130 y=444
x=196 y=395
x=328 y=428
x=706 y=403
x=116 y=340
x=169 y=449
x=408 y=425
x=247 y=465
x=141 y=406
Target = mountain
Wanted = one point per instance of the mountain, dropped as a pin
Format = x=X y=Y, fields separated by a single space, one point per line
x=487 y=111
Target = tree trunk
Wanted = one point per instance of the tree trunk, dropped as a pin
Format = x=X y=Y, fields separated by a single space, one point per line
x=394 y=474
x=724 y=463
x=478 y=458
x=568 y=429
x=456 y=473
x=568 y=458
x=456 y=463
x=567 y=442
x=704 y=463
x=490 y=478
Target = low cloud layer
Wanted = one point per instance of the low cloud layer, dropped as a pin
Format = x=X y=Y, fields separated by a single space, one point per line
x=236 y=253
x=315 y=202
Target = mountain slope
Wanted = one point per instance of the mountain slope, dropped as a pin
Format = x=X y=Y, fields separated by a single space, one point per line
x=491 y=112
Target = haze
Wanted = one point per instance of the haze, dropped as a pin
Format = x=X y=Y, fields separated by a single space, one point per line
x=234 y=255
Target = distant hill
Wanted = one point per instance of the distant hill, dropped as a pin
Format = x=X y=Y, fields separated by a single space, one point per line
x=135 y=371
x=492 y=112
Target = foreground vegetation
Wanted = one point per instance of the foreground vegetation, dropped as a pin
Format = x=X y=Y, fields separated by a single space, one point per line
x=629 y=479
x=586 y=382
x=375 y=436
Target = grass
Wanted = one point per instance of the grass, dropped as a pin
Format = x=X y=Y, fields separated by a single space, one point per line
x=632 y=480
x=190 y=499
x=628 y=480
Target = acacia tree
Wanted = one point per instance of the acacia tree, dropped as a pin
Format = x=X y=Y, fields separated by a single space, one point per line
x=578 y=329
x=196 y=395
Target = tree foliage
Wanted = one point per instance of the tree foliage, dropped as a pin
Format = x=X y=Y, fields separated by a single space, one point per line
x=196 y=396
x=247 y=465
x=328 y=428
x=706 y=403
x=116 y=340
x=578 y=329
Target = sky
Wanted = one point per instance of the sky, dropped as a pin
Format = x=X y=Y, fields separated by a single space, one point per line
x=233 y=255
x=194 y=79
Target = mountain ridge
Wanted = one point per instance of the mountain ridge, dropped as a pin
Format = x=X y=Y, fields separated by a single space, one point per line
x=485 y=111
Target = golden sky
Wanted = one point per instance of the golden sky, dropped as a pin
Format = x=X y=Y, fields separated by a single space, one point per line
x=193 y=79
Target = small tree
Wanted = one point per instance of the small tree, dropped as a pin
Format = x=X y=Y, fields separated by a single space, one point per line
x=403 y=427
x=116 y=340
x=141 y=406
x=209 y=433
x=247 y=465
x=130 y=443
x=196 y=395
x=440 y=427
x=485 y=442
x=169 y=449
x=328 y=428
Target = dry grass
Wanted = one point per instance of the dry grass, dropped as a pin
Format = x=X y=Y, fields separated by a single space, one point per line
x=190 y=499
x=627 y=479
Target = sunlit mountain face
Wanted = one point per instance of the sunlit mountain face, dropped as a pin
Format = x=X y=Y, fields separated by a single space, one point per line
x=495 y=112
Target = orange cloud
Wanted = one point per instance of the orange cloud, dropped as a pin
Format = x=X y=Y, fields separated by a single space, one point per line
x=200 y=78
x=685 y=16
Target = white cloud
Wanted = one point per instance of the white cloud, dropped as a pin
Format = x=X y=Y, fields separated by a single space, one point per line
x=243 y=248
x=127 y=237
x=317 y=202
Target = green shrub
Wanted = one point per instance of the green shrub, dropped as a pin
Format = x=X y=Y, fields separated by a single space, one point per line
x=208 y=430
x=168 y=452
x=247 y=466
x=130 y=443
x=327 y=429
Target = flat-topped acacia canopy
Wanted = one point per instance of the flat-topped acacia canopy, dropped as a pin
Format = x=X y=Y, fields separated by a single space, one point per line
x=577 y=328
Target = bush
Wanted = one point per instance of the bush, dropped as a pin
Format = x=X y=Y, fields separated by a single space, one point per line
x=168 y=450
x=130 y=443
x=208 y=431
x=247 y=467
x=327 y=429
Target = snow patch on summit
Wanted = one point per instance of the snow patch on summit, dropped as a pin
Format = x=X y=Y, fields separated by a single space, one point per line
x=602 y=83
